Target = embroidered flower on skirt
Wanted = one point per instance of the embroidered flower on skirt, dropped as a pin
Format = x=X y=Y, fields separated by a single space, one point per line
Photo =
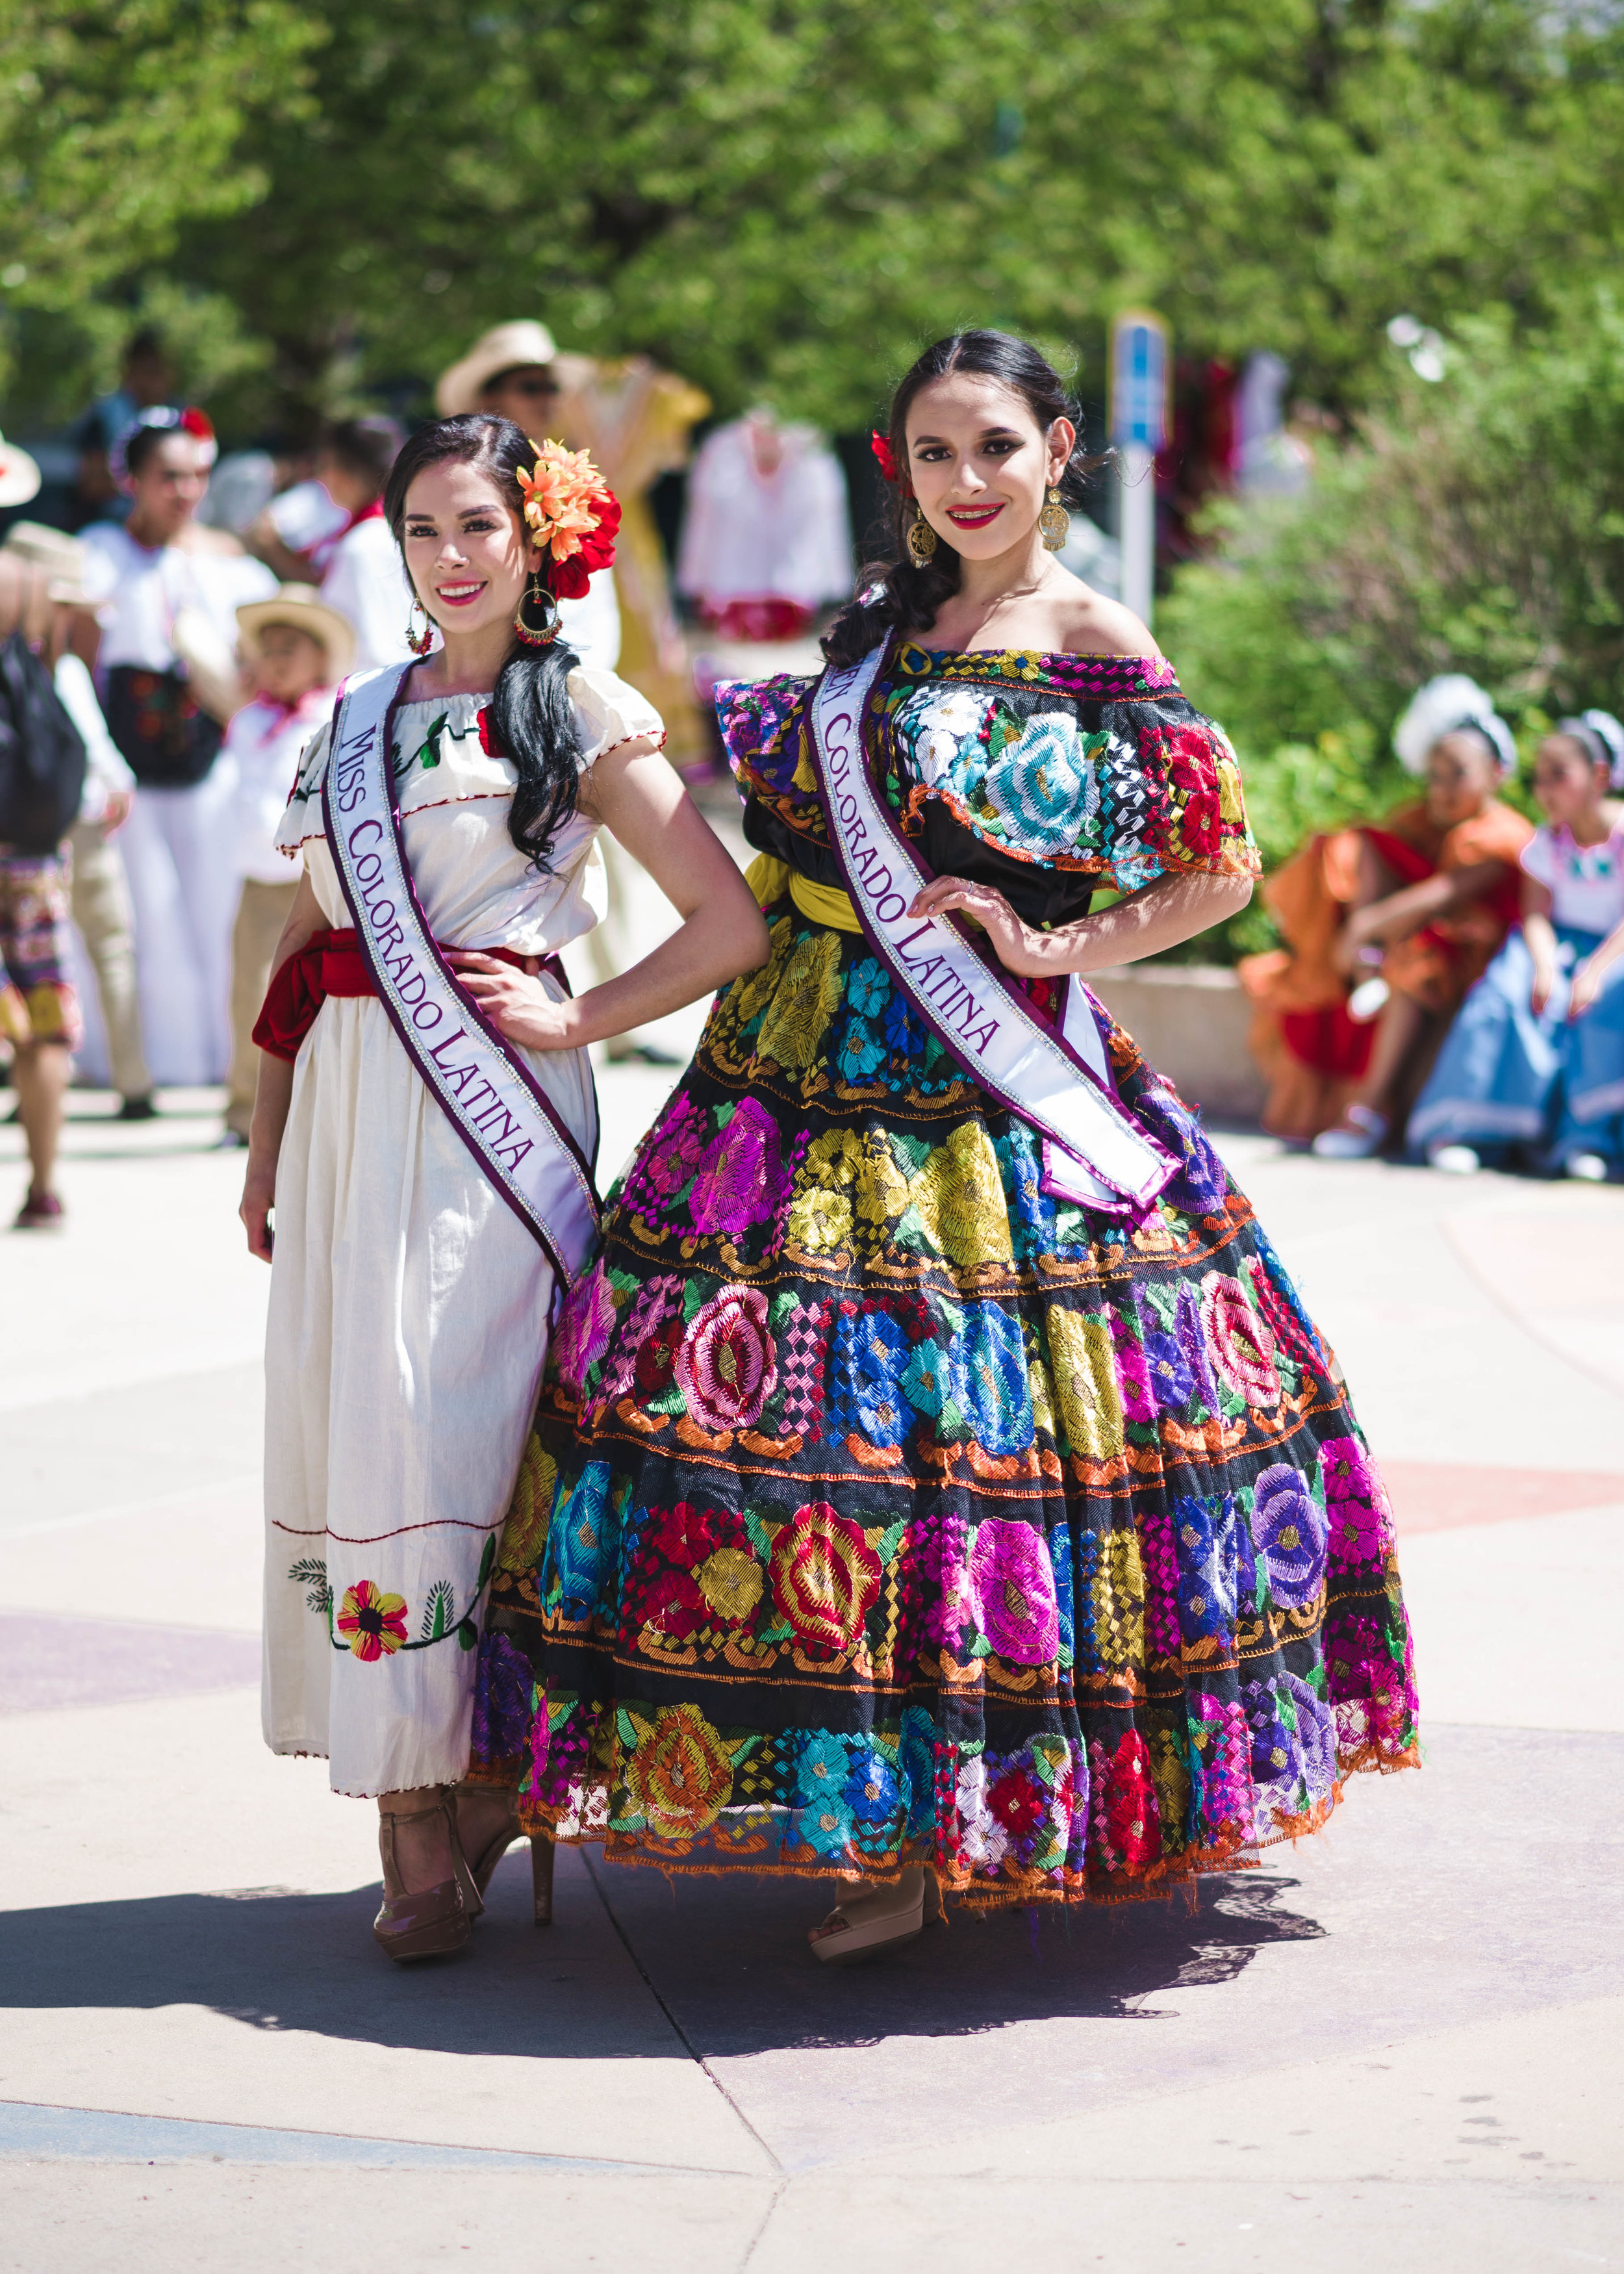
x=371 y=1622
x=727 y=1366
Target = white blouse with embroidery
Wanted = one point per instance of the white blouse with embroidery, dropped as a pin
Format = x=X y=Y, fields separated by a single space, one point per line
x=476 y=889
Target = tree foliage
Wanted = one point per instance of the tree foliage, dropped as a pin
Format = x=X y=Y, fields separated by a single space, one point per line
x=122 y=122
x=786 y=198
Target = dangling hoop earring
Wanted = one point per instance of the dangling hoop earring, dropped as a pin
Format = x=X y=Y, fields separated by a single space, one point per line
x=541 y=634
x=419 y=645
x=1054 y=523
x=922 y=541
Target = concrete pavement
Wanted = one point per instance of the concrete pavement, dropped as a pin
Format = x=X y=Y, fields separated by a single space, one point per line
x=1401 y=2042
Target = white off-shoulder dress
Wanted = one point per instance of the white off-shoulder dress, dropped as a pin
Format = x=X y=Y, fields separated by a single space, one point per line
x=408 y=1306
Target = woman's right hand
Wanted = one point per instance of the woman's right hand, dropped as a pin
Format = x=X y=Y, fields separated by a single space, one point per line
x=258 y=1199
x=1544 y=987
x=1586 y=985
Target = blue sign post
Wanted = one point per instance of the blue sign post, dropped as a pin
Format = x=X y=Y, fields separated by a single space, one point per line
x=1141 y=367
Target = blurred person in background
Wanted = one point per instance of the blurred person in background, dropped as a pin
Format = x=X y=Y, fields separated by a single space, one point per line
x=42 y=763
x=296 y=649
x=100 y=901
x=1541 y=1035
x=146 y=377
x=512 y=371
x=1387 y=925
x=169 y=592
x=359 y=566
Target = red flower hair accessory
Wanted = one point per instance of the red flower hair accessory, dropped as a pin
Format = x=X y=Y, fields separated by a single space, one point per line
x=193 y=421
x=574 y=514
x=881 y=447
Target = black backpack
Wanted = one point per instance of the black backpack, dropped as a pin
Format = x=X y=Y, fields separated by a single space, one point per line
x=42 y=755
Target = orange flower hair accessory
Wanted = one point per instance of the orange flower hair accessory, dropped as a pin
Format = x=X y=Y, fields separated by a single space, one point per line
x=574 y=514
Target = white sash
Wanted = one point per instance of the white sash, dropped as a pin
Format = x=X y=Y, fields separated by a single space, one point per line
x=1094 y=1148
x=493 y=1100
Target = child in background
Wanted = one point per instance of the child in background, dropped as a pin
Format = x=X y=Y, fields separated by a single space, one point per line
x=298 y=651
x=1387 y=925
x=1546 y=1022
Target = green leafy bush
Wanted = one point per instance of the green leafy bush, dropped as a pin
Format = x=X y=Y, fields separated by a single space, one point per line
x=1473 y=524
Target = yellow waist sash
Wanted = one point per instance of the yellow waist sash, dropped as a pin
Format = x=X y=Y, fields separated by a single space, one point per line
x=768 y=877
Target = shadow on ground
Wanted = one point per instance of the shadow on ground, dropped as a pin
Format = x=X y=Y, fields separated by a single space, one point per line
x=726 y=1957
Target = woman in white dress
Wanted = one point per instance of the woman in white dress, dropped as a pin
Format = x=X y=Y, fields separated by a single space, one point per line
x=164 y=582
x=410 y=1302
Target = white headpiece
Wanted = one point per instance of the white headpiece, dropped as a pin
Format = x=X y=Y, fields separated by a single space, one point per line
x=1602 y=734
x=1444 y=706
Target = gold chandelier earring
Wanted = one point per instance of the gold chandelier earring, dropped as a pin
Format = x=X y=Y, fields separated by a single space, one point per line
x=922 y=541
x=537 y=621
x=1054 y=523
x=419 y=643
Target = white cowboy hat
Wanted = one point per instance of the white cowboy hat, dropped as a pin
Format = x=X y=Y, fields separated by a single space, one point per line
x=60 y=557
x=507 y=347
x=19 y=477
x=304 y=607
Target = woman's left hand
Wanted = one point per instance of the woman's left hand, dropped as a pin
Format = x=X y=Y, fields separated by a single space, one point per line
x=1018 y=947
x=514 y=1001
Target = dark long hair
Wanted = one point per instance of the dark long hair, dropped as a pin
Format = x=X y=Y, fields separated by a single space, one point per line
x=896 y=591
x=530 y=707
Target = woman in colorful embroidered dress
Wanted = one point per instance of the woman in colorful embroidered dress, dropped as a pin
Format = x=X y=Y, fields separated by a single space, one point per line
x=1534 y=1064
x=408 y=1305
x=887 y=1517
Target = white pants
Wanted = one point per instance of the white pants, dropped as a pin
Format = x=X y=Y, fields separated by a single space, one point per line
x=178 y=849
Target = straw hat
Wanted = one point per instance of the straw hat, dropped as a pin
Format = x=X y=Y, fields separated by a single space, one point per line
x=59 y=557
x=304 y=607
x=507 y=347
x=19 y=477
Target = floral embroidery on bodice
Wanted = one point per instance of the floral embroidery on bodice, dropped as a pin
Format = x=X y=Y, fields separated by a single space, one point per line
x=1049 y=775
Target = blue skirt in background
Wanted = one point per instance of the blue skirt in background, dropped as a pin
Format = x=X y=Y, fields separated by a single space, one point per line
x=1506 y=1077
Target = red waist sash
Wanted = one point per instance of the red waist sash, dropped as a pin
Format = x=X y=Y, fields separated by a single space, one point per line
x=331 y=963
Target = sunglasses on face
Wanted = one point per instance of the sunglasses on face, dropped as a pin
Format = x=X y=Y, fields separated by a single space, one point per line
x=532 y=386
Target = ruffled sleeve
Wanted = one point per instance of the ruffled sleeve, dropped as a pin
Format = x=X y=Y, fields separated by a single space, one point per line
x=301 y=817
x=1176 y=801
x=608 y=712
x=764 y=726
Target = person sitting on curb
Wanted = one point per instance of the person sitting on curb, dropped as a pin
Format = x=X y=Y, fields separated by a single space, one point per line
x=1387 y=925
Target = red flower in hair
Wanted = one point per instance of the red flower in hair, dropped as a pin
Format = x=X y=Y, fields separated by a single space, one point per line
x=887 y=456
x=193 y=421
x=574 y=514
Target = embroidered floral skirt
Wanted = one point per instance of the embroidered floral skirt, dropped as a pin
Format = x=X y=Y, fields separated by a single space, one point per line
x=881 y=1510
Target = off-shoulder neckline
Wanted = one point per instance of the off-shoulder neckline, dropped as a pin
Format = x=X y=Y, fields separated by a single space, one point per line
x=1040 y=654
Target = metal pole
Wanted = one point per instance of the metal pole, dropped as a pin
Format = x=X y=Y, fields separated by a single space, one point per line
x=1139 y=529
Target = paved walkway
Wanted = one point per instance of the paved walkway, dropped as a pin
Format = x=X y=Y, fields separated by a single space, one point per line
x=1399 y=2046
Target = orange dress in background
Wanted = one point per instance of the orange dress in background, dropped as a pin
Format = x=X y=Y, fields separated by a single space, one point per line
x=1312 y=1054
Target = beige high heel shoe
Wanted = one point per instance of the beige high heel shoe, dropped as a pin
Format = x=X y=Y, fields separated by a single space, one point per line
x=482 y=1867
x=862 y=1926
x=432 y=1922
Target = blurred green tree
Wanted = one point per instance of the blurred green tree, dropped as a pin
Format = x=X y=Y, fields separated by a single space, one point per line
x=785 y=198
x=121 y=121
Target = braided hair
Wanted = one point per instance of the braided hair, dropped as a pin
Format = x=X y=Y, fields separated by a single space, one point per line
x=530 y=709
x=896 y=592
